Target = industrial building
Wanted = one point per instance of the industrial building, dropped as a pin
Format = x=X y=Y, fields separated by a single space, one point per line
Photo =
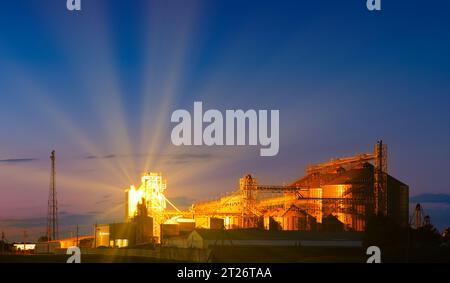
x=137 y=231
x=146 y=217
x=348 y=189
x=335 y=196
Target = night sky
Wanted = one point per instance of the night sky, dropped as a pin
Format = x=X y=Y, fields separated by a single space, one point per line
x=99 y=87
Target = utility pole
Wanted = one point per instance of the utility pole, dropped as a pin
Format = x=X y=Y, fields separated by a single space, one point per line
x=3 y=243
x=24 y=241
x=52 y=217
x=95 y=235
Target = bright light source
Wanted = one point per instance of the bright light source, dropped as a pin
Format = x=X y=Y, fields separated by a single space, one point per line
x=151 y=192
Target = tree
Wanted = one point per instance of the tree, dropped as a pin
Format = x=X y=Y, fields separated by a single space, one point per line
x=391 y=238
x=446 y=235
x=332 y=224
x=42 y=239
x=426 y=237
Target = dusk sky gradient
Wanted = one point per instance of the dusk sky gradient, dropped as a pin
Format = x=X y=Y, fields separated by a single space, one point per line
x=99 y=87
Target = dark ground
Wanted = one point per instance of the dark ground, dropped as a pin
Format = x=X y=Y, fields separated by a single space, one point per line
x=84 y=259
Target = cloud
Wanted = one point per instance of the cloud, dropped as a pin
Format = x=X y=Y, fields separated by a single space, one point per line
x=169 y=158
x=17 y=160
x=84 y=170
x=109 y=156
x=36 y=226
x=189 y=158
x=437 y=206
x=431 y=198
x=65 y=219
x=24 y=223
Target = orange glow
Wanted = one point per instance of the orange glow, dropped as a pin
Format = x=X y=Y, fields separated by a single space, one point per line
x=151 y=191
x=26 y=247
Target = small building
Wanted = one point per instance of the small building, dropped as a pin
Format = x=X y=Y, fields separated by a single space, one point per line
x=174 y=232
x=24 y=247
x=207 y=222
x=180 y=241
x=122 y=235
x=291 y=219
x=101 y=235
x=82 y=241
x=52 y=246
x=47 y=247
x=114 y=235
x=144 y=229
x=128 y=234
x=187 y=225
x=170 y=230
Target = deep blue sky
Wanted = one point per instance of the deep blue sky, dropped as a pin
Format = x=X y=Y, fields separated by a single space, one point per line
x=104 y=82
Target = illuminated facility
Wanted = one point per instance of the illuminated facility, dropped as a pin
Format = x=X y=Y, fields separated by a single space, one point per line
x=345 y=190
x=147 y=216
x=342 y=194
x=150 y=197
